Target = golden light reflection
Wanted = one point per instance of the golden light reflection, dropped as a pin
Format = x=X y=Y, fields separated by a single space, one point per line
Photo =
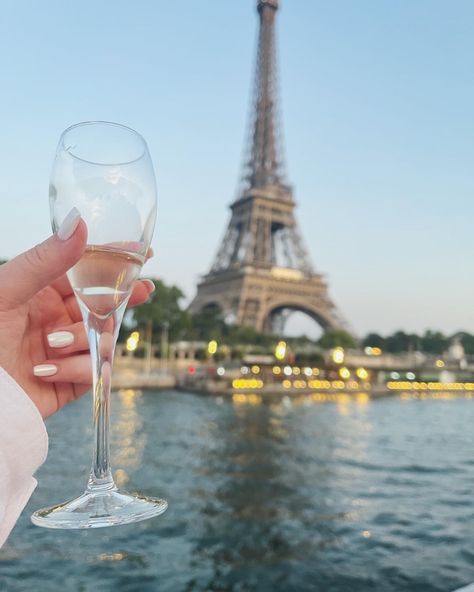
x=111 y=557
x=128 y=438
x=120 y=477
x=440 y=364
x=246 y=399
x=437 y=395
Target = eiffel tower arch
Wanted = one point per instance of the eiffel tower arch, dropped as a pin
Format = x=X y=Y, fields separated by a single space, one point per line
x=262 y=267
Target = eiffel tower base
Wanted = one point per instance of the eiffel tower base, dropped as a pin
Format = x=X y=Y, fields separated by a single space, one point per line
x=255 y=298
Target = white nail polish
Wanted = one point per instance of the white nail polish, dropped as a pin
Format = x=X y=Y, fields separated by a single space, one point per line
x=69 y=224
x=45 y=370
x=60 y=339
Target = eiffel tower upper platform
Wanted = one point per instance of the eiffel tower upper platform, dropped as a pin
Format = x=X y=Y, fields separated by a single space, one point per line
x=262 y=268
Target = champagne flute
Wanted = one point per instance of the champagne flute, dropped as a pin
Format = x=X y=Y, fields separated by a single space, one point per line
x=104 y=170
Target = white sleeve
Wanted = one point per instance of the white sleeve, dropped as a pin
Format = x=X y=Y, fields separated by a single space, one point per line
x=23 y=449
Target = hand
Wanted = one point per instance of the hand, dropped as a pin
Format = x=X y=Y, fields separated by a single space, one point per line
x=37 y=301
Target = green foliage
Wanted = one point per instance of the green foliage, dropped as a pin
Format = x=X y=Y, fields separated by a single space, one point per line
x=467 y=341
x=337 y=338
x=206 y=325
x=434 y=342
x=373 y=340
x=164 y=311
x=309 y=359
x=401 y=342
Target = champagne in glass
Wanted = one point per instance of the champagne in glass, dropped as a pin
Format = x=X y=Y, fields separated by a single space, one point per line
x=105 y=171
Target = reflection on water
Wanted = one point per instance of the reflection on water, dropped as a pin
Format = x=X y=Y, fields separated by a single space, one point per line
x=317 y=493
x=128 y=438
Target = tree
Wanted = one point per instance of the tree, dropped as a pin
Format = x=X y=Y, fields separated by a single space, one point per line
x=401 y=342
x=336 y=338
x=374 y=340
x=164 y=310
x=434 y=342
x=467 y=341
x=207 y=324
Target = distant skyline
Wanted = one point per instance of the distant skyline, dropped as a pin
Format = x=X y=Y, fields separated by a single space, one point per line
x=377 y=102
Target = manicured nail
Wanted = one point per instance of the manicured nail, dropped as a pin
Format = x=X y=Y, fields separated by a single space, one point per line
x=69 y=224
x=60 y=339
x=45 y=370
x=150 y=284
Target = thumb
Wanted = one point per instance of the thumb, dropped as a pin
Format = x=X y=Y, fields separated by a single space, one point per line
x=25 y=275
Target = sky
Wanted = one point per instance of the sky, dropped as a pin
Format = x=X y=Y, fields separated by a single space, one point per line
x=377 y=101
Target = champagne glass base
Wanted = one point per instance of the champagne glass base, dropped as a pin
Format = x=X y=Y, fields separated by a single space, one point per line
x=97 y=510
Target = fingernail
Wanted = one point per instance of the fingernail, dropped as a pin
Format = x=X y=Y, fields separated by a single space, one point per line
x=69 y=224
x=60 y=339
x=150 y=285
x=45 y=370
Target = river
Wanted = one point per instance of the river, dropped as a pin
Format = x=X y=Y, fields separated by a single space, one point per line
x=352 y=496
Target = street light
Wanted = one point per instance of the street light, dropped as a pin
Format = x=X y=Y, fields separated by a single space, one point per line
x=132 y=341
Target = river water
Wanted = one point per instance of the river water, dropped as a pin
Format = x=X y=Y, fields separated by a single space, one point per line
x=345 y=496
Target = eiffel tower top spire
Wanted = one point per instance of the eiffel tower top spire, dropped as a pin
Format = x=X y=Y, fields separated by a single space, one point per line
x=264 y=165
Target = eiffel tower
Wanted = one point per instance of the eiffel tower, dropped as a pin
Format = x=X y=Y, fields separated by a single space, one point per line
x=262 y=271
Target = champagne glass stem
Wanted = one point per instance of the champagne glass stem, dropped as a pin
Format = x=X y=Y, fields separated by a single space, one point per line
x=102 y=335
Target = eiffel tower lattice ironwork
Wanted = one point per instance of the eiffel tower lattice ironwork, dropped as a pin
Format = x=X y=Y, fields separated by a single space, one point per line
x=262 y=269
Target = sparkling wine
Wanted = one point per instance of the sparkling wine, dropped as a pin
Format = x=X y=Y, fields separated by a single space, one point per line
x=104 y=276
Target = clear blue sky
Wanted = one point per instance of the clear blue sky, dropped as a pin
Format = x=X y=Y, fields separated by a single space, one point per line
x=377 y=102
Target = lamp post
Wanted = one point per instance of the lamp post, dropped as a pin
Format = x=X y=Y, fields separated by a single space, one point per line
x=164 y=346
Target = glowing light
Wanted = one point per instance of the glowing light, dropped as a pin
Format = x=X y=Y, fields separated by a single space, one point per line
x=276 y=370
x=280 y=350
x=440 y=364
x=411 y=375
x=244 y=370
x=212 y=347
x=286 y=383
x=255 y=369
x=191 y=370
x=296 y=371
x=221 y=371
x=362 y=373
x=315 y=371
x=247 y=383
x=405 y=385
x=338 y=355
x=132 y=341
x=394 y=375
x=308 y=372
x=344 y=372
x=373 y=351
x=287 y=371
